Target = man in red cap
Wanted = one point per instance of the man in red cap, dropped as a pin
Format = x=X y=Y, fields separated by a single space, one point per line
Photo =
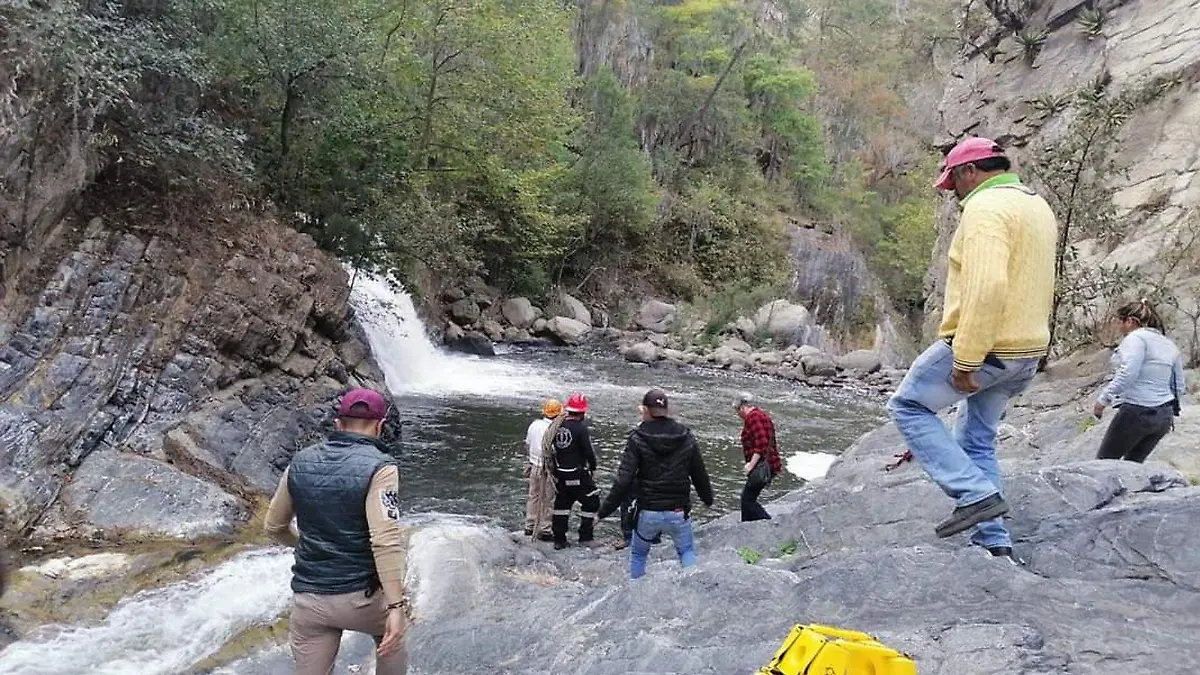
x=350 y=557
x=995 y=329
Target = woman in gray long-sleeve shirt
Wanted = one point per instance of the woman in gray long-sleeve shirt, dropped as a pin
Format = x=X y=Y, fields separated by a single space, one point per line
x=1147 y=386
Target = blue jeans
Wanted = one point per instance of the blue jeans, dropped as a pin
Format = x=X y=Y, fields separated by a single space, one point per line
x=963 y=464
x=652 y=524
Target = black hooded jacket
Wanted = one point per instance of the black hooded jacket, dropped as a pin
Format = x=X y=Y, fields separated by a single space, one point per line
x=662 y=462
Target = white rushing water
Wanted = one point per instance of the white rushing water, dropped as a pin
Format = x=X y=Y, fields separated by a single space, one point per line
x=412 y=364
x=809 y=465
x=165 y=630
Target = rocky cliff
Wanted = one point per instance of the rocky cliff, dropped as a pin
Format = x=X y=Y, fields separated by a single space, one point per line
x=161 y=359
x=1001 y=89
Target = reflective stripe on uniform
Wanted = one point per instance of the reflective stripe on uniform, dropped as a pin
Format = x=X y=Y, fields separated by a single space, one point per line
x=587 y=514
x=558 y=512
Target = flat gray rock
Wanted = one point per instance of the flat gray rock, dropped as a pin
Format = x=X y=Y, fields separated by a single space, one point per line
x=128 y=493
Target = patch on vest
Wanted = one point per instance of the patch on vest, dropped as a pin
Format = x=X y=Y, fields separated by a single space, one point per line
x=562 y=439
x=390 y=501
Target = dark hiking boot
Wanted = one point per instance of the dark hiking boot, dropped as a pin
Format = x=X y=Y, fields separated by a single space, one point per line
x=529 y=532
x=1005 y=553
x=966 y=517
x=545 y=536
x=560 y=545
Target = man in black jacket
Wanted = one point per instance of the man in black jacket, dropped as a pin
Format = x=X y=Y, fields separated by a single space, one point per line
x=574 y=463
x=662 y=461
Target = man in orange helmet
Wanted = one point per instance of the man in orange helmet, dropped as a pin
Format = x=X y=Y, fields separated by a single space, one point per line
x=574 y=461
x=539 y=498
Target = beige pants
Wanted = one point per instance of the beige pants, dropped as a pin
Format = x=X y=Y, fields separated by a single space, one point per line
x=539 y=501
x=316 y=625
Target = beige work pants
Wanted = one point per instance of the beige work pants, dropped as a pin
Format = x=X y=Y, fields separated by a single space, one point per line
x=539 y=501
x=316 y=625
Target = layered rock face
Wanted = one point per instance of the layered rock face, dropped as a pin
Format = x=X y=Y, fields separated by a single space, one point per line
x=156 y=371
x=1112 y=583
x=1157 y=197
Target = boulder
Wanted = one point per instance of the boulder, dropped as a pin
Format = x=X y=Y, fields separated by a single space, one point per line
x=656 y=316
x=122 y=492
x=641 y=352
x=493 y=330
x=769 y=359
x=512 y=334
x=480 y=292
x=783 y=321
x=745 y=327
x=472 y=342
x=567 y=330
x=674 y=356
x=862 y=360
x=727 y=357
x=453 y=294
x=453 y=332
x=519 y=312
x=737 y=344
x=464 y=312
x=807 y=350
x=818 y=365
x=571 y=307
x=539 y=326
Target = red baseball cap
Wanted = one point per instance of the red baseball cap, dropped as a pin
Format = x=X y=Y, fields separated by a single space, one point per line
x=363 y=404
x=971 y=150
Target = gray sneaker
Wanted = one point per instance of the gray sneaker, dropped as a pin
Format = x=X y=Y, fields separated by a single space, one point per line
x=966 y=517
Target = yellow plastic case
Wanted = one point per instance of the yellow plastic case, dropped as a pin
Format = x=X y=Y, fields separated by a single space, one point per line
x=825 y=650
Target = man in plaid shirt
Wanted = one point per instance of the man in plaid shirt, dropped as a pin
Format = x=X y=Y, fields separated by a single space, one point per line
x=758 y=445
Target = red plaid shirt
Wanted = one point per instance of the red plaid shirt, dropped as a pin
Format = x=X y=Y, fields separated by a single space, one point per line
x=758 y=438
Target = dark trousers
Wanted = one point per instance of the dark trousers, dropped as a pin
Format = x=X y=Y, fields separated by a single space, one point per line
x=1134 y=432
x=570 y=490
x=751 y=509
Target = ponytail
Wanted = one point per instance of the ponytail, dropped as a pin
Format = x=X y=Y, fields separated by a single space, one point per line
x=1143 y=314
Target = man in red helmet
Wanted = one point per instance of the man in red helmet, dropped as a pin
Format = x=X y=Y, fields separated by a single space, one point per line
x=995 y=328
x=574 y=461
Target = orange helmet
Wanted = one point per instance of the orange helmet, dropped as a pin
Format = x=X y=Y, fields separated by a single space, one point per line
x=551 y=407
x=577 y=403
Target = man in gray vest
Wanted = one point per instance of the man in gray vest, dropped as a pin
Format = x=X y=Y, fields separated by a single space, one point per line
x=350 y=557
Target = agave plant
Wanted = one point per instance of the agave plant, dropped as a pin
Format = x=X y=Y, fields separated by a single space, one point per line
x=1091 y=21
x=1031 y=39
x=1049 y=104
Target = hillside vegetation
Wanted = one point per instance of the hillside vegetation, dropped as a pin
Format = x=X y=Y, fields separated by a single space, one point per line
x=603 y=146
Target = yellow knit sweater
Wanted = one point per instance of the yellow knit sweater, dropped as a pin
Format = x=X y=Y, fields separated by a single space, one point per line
x=1000 y=284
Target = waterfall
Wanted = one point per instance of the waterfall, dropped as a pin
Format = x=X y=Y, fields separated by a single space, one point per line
x=412 y=364
x=165 y=630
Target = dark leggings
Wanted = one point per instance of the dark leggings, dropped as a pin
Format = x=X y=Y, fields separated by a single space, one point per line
x=1134 y=432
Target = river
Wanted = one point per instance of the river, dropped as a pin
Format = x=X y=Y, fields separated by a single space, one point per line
x=462 y=453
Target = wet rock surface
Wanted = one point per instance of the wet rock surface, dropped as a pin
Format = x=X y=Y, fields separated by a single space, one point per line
x=1112 y=583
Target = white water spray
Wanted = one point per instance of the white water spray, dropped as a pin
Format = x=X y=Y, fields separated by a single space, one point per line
x=411 y=363
x=166 y=630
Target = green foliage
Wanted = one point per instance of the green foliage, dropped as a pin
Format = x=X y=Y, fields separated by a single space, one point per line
x=610 y=184
x=1091 y=21
x=788 y=547
x=1077 y=174
x=82 y=73
x=1031 y=39
x=476 y=136
x=749 y=556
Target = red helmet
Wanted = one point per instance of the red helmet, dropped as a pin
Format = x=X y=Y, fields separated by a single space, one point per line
x=577 y=403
